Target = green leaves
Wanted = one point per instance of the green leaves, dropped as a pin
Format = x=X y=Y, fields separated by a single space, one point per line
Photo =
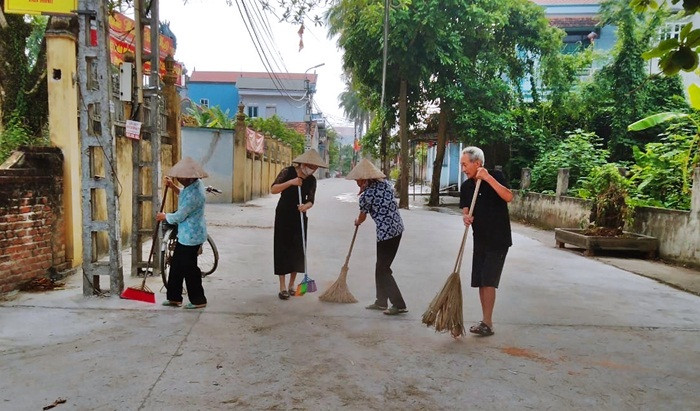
x=678 y=54
x=694 y=93
x=654 y=120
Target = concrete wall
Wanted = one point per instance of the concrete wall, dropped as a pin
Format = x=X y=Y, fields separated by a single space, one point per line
x=213 y=149
x=678 y=231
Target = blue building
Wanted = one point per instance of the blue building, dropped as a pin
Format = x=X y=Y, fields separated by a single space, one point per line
x=264 y=95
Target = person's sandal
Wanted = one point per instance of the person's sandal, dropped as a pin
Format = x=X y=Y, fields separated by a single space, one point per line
x=191 y=306
x=375 y=306
x=481 y=329
x=291 y=291
x=283 y=295
x=168 y=303
x=395 y=311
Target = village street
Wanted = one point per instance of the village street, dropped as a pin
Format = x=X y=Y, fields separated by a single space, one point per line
x=571 y=332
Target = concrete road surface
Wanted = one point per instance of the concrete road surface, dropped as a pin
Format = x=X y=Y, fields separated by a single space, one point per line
x=571 y=332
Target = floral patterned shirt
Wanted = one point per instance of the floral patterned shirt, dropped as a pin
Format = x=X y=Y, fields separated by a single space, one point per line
x=378 y=201
x=189 y=217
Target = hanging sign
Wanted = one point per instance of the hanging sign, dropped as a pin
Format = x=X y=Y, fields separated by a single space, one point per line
x=133 y=129
x=41 y=6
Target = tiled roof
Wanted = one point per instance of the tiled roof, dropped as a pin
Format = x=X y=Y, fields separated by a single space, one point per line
x=565 y=2
x=233 y=76
x=300 y=126
x=565 y=22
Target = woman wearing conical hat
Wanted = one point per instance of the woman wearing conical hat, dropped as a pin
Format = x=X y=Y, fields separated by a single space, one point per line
x=377 y=200
x=289 y=249
x=191 y=233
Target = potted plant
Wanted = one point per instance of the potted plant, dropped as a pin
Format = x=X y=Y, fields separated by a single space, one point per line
x=610 y=213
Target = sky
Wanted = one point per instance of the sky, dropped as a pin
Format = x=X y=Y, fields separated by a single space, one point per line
x=211 y=36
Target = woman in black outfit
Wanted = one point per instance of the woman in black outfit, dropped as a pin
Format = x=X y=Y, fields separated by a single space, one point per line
x=289 y=250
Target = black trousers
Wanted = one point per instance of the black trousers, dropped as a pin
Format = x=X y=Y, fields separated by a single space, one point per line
x=387 y=289
x=183 y=265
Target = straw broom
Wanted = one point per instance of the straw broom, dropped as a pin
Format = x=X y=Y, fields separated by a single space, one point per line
x=445 y=311
x=338 y=292
x=144 y=293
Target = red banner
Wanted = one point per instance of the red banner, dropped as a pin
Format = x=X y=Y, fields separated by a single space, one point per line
x=122 y=38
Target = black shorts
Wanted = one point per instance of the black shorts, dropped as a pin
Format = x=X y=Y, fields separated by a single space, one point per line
x=487 y=266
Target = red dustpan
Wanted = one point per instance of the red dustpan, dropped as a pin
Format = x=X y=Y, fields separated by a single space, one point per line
x=144 y=293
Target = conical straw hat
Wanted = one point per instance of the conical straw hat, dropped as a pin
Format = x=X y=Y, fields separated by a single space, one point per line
x=365 y=170
x=187 y=168
x=311 y=157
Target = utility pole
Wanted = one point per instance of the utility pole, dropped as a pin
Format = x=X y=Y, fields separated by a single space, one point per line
x=97 y=151
x=309 y=103
x=146 y=152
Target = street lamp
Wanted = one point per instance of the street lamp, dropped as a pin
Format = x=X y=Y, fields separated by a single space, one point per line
x=309 y=103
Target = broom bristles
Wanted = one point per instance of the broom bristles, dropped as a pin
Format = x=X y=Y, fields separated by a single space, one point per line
x=445 y=311
x=142 y=293
x=338 y=292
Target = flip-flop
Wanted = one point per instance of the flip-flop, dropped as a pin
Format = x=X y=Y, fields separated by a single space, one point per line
x=283 y=295
x=292 y=293
x=191 y=306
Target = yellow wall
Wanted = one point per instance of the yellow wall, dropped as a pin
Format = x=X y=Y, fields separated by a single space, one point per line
x=63 y=132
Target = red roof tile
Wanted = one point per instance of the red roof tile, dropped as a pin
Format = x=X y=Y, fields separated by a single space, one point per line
x=565 y=22
x=300 y=126
x=233 y=76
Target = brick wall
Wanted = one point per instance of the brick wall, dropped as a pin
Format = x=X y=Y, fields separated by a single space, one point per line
x=31 y=217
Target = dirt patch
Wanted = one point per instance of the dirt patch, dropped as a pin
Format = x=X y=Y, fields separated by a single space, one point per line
x=41 y=284
x=523 y=353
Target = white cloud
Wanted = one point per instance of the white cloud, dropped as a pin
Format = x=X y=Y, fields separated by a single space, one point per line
x=212 y=36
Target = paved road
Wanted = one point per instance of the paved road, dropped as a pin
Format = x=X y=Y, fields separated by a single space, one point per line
x=571 y=332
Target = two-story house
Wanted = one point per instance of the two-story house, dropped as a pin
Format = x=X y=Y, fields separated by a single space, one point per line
x=286 y=95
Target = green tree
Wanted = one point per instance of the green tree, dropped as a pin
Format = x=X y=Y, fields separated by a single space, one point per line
x=23 y=89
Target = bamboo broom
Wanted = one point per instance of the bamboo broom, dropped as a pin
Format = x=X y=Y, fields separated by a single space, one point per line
x=338 y=292
x=445 y=311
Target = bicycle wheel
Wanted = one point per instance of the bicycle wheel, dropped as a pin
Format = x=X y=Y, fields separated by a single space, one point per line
x=208 y=259
x=166 y=252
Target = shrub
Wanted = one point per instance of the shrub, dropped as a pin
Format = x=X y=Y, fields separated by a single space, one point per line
x=580 y=152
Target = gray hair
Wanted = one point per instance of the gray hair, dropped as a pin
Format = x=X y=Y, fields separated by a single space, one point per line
x=474 y=153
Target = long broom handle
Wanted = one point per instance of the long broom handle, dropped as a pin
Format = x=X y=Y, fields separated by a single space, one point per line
x=352 y=243
x=303 y=237
x=153 y=240
x=458 y=263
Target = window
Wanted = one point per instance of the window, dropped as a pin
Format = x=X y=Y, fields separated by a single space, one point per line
x=204 y=102
x=671 y=31
x=252 y=111
x=270 y=110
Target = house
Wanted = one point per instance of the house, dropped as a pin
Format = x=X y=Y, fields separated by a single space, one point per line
x=286 y=95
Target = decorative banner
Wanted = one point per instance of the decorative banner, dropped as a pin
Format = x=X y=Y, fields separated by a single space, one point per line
x=133 y=129
x=122 y=38
x=40 y=6
x=255 y=142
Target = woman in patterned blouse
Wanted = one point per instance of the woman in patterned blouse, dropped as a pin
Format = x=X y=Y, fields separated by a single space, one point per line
x=377 y=200
x=191 y=233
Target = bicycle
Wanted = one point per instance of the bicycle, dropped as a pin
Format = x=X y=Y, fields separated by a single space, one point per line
x=208 y=259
